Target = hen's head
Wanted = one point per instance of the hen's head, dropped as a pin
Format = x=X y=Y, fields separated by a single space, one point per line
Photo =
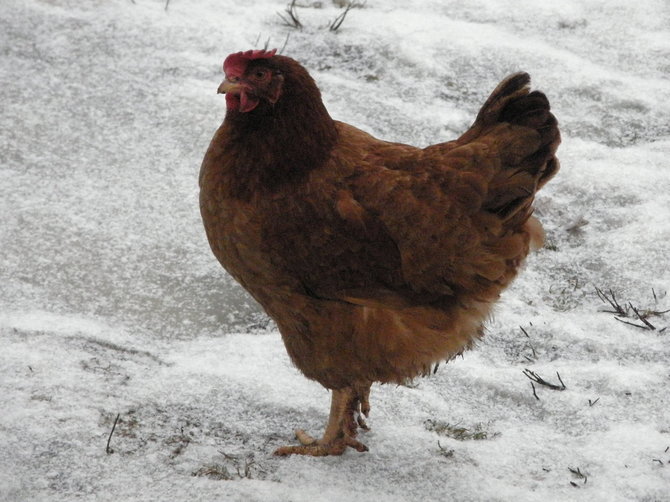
x=276 y=118
x=258 y=79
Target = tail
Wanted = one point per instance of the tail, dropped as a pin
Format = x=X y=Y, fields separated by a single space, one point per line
x=519 y=122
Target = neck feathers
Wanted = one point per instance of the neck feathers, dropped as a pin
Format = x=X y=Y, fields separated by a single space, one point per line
x=280 y=143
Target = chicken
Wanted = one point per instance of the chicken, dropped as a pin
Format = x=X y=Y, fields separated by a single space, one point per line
x=376 y=260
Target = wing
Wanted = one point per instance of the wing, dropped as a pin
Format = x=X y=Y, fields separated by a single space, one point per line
x=392 y=224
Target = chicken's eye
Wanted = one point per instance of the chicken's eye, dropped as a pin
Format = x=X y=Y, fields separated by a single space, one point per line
x=260 y=74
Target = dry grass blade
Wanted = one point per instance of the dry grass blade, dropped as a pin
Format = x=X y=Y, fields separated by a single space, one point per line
x=645 y=314
x=529 y=344
x=476 y=433
x=108 y=450
x=288 y=35
x=445 y=452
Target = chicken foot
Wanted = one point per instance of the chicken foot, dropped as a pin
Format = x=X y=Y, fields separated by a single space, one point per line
x=347 y=408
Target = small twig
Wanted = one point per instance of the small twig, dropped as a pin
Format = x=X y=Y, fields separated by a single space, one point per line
x=631 y=323
x=108 y=450
x=337 y=22
x=577 y=472
x=613 y=302
x=167 y=2
x=560 y=380
x=538 y=379
x=292 y=20
x=642 y=315
x=591 y=403
x=642 y=318
x=534 y=391
x=658 y=460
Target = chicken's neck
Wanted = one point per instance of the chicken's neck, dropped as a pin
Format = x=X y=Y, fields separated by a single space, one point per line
x=278 y=145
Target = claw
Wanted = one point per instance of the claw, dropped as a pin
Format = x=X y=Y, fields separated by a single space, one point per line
x=364 y=399
x=361 y=423
x=363 y=406
x=355 y=444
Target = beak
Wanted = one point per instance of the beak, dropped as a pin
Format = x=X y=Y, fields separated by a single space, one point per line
x=228 y=86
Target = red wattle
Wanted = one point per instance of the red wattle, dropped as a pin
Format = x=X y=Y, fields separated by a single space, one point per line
x=232 y=101
x=247 y=102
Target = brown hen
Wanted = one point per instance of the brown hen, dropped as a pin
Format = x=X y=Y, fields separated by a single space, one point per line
x=375 y=259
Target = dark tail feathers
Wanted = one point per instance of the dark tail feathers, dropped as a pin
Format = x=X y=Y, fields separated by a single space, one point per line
x=528 y=150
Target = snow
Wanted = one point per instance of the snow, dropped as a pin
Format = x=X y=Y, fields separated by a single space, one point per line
x=111 y=302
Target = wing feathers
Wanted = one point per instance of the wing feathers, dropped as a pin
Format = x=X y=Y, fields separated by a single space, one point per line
x=416 y=226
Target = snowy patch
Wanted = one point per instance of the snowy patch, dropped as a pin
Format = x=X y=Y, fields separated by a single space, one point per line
x=112 y=305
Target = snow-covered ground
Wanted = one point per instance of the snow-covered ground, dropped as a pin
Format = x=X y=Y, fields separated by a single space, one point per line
x=112 y=304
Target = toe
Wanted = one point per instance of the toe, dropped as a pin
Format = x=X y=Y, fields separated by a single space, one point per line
x=355 y=444
x=304 y=438
x=362 y=424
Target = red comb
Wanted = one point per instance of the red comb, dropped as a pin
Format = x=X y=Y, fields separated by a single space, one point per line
x=236 y=63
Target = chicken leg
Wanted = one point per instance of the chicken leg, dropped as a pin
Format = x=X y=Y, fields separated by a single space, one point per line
x=347 y=408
